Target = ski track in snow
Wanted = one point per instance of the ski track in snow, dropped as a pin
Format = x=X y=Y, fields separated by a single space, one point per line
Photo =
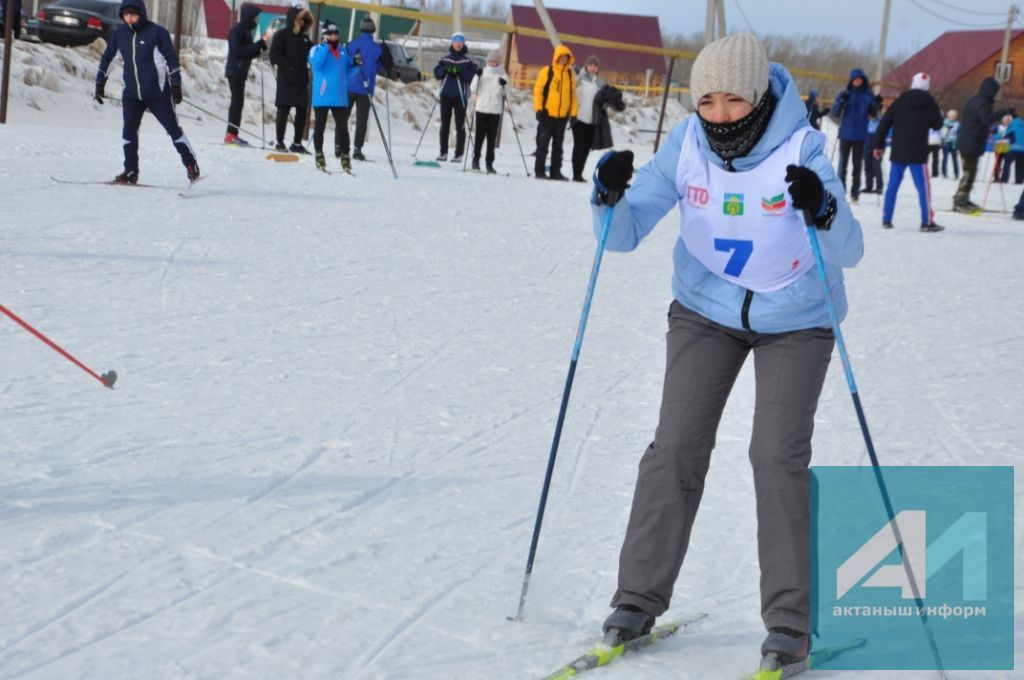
x=336 y=399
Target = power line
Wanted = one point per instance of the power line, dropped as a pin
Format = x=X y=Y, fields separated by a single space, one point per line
x=744 y=15
x=968 y=11
x=953 y=21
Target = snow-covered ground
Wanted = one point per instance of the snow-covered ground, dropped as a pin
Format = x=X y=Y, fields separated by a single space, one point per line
x=323 y=455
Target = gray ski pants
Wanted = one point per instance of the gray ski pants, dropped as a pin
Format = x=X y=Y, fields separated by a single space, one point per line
x=703 y=361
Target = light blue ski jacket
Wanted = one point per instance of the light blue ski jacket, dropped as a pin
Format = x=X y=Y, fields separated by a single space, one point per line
x=653 y=194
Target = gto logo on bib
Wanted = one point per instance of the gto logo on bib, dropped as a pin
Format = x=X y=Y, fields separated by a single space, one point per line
x=697 y=197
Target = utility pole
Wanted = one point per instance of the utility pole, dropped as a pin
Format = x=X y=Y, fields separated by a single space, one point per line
x=1003 y=67
x=715 y=14
x=457 y=16
x=549 y=25
x=880 y=66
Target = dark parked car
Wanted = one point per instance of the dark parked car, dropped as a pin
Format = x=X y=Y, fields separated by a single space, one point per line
x=408 y=69
x=77 y=22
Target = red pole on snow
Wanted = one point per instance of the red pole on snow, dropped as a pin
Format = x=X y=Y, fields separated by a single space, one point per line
x=108 y=379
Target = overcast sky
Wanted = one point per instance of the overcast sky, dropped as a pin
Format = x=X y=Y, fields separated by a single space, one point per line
x=912 y=25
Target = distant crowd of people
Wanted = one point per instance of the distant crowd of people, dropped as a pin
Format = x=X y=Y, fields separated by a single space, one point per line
x=918 y=133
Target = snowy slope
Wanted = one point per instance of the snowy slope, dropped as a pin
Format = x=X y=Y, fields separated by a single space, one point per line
x=336 y=399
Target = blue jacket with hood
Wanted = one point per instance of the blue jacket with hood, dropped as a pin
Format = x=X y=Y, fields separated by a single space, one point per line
x=331 y=70
x=371 y=53
x=455 y=86
x=853 y=107
x=241 y=47
x=148 y=54
x=653 y=194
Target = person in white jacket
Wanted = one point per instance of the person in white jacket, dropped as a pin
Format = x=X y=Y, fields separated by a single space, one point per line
x=588 y=85
x=490 y=97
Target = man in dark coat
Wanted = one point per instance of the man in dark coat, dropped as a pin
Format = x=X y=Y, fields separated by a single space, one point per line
x=152 y=81
x=241 y=51
x=288 y=51
x=911 y=116
x=975 y=123
x=456 y=71
x=852 y=108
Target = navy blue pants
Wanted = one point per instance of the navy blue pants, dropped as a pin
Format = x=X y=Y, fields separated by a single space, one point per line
x=163 y=109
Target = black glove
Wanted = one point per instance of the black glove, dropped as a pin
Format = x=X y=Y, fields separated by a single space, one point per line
x=806 y=189
x=502 y=82
x=100 y=85
x=452 y=69
x=175 y=93
x=572 y=121
x=612 y=176
x=479 y=70
x=357 y=59
x=542 y=116
x=262 y=45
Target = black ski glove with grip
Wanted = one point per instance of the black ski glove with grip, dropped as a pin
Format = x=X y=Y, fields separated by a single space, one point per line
x=808 y=193
x=100 y=86
x=611 y=179
x=175 y=93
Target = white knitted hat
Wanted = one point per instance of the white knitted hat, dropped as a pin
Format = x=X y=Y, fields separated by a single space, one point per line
x=921 y=81
x=737 y=64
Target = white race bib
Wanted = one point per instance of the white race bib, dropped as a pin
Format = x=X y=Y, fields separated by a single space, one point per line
x=740 y=225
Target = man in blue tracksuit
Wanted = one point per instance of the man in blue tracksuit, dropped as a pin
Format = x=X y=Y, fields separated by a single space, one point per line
x=852 y=108
x=152 y=81
x=456 y=71
x=372 y=59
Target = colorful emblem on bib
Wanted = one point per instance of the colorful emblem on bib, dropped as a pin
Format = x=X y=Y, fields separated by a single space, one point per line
x=774 y=206
x=732 y=205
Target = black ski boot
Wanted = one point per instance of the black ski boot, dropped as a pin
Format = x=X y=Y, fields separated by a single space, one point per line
x=785 y=650
x=491 y=170
x=298 y=148
x=192 y=170
x=626 y=623
x=127 y=177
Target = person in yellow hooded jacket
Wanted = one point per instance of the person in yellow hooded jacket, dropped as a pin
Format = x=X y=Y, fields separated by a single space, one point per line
x=555 y=103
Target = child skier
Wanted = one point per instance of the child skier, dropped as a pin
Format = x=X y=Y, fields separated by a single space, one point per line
x=491 y=97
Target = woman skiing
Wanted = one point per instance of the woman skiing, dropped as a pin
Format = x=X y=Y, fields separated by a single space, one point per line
x=743 y=171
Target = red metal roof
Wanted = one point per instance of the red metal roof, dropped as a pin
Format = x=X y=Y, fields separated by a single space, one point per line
x=629 y=28
x=947 y=58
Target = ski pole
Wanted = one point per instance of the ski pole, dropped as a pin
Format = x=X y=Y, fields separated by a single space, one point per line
x=216 y=117
x=263 y=107
x=380 y=128
x=108 y=379
x=431 y=115
x=472 y=120
x=819 y=261
x=465 y=117
x=581 y=329
x=515 y=131
x=387 y=109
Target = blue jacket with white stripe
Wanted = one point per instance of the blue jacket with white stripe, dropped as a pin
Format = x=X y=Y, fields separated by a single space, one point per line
x=148 y=54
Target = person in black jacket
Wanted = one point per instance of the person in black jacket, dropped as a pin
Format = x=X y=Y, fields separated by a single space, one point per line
x=911 y=116
x=288 y=51
x=241 y=51
x=977 y=118
x=814 y=112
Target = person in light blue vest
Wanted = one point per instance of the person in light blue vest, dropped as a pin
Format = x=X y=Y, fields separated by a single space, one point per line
x=743 y=170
